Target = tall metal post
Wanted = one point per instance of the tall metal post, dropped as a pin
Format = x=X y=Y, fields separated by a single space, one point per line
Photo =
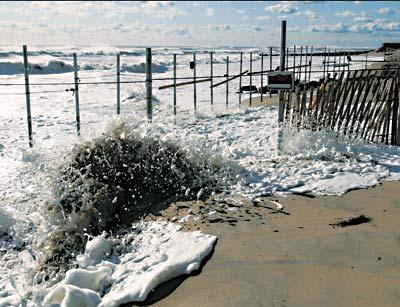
x=194 y=84
x=28 y=96
x=328 y=62
x=251 y=76
x=282 y=68
x=240 y=80
x=149 y=80
x=76 y=80
x=118 y=85
x=211 y=80
x=175 y=84
x=262 y=75
x=287 y=58
x=227 y=86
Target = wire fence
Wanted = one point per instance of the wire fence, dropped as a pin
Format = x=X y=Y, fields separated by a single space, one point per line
x=302 y=67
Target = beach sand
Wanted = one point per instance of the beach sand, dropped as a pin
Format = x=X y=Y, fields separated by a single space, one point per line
x=294 y=257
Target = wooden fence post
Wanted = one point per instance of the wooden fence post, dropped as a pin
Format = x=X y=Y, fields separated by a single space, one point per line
x=270 y=68
x=282 y=68
x=324 y=62
x=28 y=96
x=76 y=92
x=310 y=65
x=118 y=85
x=175 y=84
x=294 y=62
x=240 y=80
x=194 y=84
x=262 y=75
x=211 y=77
x=227 y=82
x=149 y=94
x=251 y=76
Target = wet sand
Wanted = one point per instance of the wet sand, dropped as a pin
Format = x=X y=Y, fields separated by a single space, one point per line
x=294 y=257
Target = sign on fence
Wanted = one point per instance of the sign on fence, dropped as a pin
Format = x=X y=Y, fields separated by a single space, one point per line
x=280 y=80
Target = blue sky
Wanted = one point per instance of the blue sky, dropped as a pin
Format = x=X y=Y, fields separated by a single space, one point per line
x=193 y=23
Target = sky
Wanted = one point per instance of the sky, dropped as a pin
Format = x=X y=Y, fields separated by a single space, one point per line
x=200 y=23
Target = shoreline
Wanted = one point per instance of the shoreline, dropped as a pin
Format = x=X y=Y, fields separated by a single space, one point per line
x=294 y=257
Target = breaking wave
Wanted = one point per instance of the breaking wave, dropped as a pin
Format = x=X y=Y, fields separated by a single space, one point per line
x=52 y=67
x=113 y=180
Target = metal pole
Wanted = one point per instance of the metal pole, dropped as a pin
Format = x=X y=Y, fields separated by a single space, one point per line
x=310 y=63
x=270 y=68
x=240 y=80
x=149 y=94
x=175 y=84
x=76 y=92
x=262 y=75
x=28 y=97
x=211 y=77
x=324 y=62
x=194 y=84
x=227 y=78
x=282 y=68
x=118 y=85
x=340 y=61
x=251 y=76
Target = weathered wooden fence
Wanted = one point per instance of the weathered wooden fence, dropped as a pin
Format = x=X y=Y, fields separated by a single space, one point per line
x=362 y=103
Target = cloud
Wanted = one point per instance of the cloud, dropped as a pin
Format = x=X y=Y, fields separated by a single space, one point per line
x=241 y=12
x=176 y=30
x=345 y=14
x=210 y=11
x=219 y=27
x=386 y=10
x=262 y=17
x=363 y=17
x=377 y=25
x=283 y=8
x=257 y=29
x=310 y=14
x=335 y=28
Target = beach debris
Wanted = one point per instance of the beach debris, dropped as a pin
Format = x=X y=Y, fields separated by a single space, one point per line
x=352 y=221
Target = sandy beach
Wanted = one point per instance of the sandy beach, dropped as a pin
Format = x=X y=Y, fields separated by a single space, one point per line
x=294 y=257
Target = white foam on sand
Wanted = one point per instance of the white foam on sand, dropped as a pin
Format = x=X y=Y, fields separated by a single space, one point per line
x=118 y=271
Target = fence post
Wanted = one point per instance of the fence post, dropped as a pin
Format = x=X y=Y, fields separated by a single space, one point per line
x=175 y=84
x=282 y=68
x=334 y=61
x=240 y=80
x=328 y=63
x=270 y=68
x=118 y=85
x=324 y=62
x=28 y=96
x=305 y=69
x=211 y=77
x=227 y=78
x=294 y=62
x=262 y=75
x=251 y=76
x=149 y=94
x=76 y=92
x=397 y=101
x=301 y=62
x=194 y=84
x=310 y=63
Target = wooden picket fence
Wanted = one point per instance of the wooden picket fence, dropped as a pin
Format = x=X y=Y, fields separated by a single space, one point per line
x=362 y=103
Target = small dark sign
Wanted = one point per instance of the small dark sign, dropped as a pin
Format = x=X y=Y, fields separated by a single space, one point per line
x=280 y=80
x=192 y=64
